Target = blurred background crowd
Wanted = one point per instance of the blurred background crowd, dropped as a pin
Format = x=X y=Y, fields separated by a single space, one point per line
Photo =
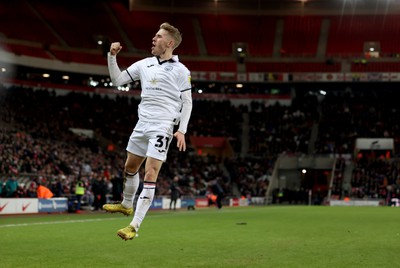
x=38 y=147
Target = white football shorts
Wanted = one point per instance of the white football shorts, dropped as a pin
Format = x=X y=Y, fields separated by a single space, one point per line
x=151 y=140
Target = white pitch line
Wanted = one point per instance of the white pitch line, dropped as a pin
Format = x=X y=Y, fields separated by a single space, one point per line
x=55 y=222
x=191 y=213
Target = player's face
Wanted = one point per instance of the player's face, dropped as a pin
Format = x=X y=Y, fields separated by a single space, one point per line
x=161 y=41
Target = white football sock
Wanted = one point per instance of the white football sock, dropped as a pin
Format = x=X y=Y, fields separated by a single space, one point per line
x=143 y=203
x=131 y=184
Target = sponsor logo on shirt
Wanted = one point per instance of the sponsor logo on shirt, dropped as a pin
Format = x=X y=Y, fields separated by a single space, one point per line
x=153 y=81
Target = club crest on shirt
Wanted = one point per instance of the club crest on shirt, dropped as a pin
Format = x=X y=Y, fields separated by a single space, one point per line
x=168 y=68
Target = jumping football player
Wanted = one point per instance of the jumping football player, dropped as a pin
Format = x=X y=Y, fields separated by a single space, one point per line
x=166 y=101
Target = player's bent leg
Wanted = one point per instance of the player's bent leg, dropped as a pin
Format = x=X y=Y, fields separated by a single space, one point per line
x=127 y=233
x=113 y=208
x=131 y=184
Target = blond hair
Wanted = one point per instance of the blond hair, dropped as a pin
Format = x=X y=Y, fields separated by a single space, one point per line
x=173 y=32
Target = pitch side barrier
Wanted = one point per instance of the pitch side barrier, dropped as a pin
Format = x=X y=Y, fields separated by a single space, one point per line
x=358 y=203
x=10 y=206
x=33 y=205
x=192 y=202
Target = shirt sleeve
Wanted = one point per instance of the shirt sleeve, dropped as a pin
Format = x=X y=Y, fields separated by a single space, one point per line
x=118 y=78
x=186 y=89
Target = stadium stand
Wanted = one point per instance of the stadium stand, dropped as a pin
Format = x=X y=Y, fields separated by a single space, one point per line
x=89 y=20
x=30 y=28
x=27 y=50
x=375 y=67
x=212 y=66
x=301 y=35
x=36 y=117
x=348 y=34
x=208 y=37
x=292 y=67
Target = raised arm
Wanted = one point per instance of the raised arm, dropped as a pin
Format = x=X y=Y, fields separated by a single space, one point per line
x=118 y=78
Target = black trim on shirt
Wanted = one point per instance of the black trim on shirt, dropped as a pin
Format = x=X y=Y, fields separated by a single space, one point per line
x=162 y=62
x=186 y=89
x=130 y=75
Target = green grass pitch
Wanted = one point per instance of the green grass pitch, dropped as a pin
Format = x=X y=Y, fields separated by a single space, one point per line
x=271 y=236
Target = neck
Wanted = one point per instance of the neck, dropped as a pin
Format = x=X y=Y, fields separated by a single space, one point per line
x=166 y=55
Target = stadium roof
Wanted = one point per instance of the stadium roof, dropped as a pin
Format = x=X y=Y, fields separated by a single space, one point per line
x=277 y=7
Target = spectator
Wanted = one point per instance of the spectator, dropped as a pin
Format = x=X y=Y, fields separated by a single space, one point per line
x=10 y=189
x=218 y=192
x=79 y=192
x=43 y=192
x=31 y=190
x=57 y=188
x=174 y=192
x=99 y=189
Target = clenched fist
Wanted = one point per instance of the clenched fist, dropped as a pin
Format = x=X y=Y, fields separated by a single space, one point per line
x=115 y=48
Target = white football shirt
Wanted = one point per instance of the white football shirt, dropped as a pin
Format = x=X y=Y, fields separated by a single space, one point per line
x=166 y=89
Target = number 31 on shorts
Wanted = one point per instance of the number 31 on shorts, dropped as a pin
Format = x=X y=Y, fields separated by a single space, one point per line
x=162 y=142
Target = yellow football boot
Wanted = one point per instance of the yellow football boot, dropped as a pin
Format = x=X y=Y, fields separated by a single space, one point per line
x=127 y=233
x=118 y=208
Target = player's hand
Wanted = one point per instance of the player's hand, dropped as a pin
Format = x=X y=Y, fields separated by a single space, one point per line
x=180 y=141
x=115 y=48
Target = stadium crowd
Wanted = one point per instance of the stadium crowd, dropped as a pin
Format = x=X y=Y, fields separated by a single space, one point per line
x=37 y=146
x=36 y=143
